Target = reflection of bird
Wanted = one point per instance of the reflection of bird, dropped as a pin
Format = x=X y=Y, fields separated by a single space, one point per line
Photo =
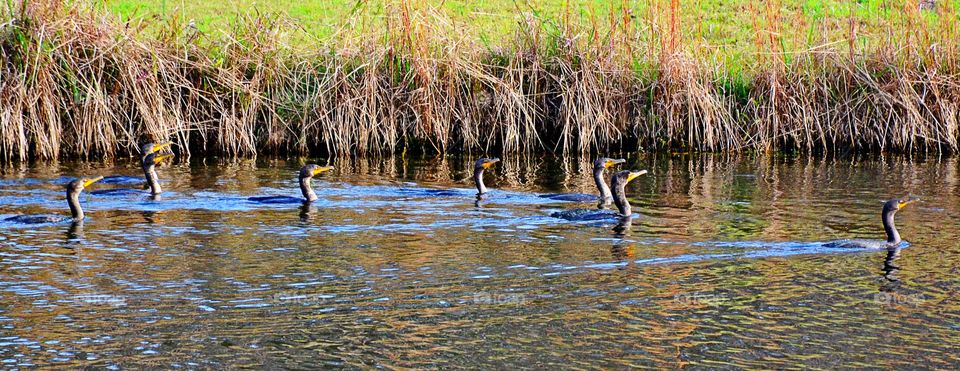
x=75 y=233
x=622 y=229
x=307 y=172
x=481 y=165
x=623 y=251
x=305 y=212
x=149 y=157
x=890 y=209
x=890 y=268
x=73 y=200
x=605 y=198
x=618 y=182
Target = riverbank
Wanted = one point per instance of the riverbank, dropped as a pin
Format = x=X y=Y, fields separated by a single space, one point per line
x=80 y=82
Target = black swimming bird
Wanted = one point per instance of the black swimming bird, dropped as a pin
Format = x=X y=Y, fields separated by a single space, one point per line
x=150 y=157
x=619 y=182
x=149 y=164
x=600 y=167
x=307 y=172
x=73 y=200
x=890 y=209
x=481 y=165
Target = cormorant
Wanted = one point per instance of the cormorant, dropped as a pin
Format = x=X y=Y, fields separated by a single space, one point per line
x=481 y=165
x=605 y=198
x=618 y=182
x=149 y=157
x=478 y=169
x=307 y=172
x=149 y=165
x=73 y=200
x=890 y=209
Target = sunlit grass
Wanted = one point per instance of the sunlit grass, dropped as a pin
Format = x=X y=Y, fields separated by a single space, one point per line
x=374 y=77
x=725 y=29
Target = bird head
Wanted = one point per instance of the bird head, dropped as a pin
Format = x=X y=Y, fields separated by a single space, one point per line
x=605 y=163
x=312 y=170
x=82 y=183
x=485 y=163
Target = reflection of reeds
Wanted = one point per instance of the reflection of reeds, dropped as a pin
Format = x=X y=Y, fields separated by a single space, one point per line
x=76 y=82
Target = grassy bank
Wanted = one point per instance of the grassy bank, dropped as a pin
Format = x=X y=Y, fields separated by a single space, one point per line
x=78 y=79
x=723 y=29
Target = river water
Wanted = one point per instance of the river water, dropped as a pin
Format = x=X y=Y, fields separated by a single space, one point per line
x=722 y=266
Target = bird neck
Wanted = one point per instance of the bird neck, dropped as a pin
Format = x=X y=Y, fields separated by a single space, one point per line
x=478 y=180
x=307 y=189
x=893 y=236
x=620 y=198
x=605 y=197
x=73 y=199
x=150 y=173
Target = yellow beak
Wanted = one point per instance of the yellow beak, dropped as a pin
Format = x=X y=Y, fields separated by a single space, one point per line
x=159 y=147
x=322 y=169
x=158 y=159
x=88 y=182
x=490 y=162
x=612 y=162
x=635 y=174
x=903 y=203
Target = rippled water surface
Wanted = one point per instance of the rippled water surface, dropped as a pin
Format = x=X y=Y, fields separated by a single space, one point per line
x=722 y=266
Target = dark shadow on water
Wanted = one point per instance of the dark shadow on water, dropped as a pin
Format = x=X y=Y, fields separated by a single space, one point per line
x=623 y=249
x=481 y=199
x=306 y=212
x=890 y=266
x=75 y=234
x=623 y=227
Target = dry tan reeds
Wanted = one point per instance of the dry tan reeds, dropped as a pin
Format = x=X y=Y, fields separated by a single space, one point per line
x=78 y=82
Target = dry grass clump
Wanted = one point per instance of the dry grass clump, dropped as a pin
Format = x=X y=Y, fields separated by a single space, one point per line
x=78 y=82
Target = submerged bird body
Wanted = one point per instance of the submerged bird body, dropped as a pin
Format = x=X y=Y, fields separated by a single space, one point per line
x=586 y=215
x=618 y=182
x=604 y=198
x=122 y=179
x=890 y=209
x=276 y=199
x=35 y=219
x=862 y=244
x=73 y=201
x=306 y=174
x=571 y=197
x=117 y=192
x=431 y=192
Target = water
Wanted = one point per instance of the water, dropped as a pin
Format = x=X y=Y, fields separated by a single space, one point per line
x=721 y=267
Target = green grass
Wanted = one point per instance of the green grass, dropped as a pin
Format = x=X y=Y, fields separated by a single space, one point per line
x=725 y=30
x=375 y=77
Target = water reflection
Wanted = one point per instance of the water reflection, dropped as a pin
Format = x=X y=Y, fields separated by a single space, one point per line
x=75 y=232
x=399 y=265
x=624 y=224
x=305 y=212
x=890 y=268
